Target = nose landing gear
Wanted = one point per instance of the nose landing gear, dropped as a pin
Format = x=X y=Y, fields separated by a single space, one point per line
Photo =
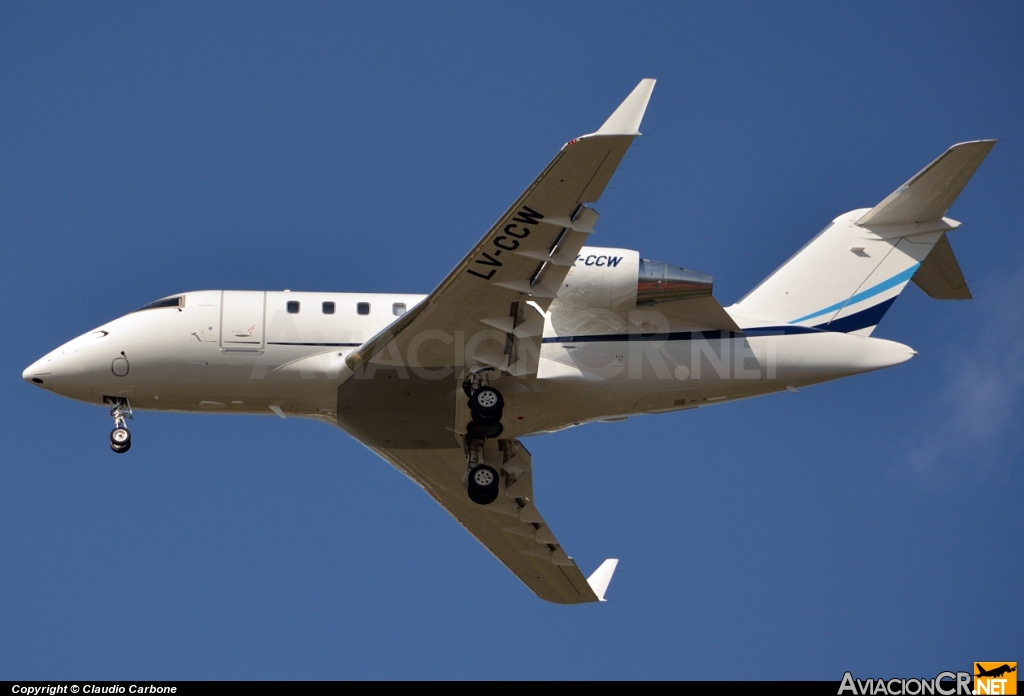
x=120 y=438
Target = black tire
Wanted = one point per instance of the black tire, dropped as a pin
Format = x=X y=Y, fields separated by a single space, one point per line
x=486 y=419
x=483 y=485
x=486 y=405
x=121 y=438
x=121 y=449
x=476 y=430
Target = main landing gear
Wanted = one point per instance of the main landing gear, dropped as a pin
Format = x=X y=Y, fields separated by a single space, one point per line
x=120 y=438
x=485 y=404
x=482 y=484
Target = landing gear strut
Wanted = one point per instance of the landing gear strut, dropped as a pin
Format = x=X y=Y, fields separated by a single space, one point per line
x=120 y=438
x=485 y=404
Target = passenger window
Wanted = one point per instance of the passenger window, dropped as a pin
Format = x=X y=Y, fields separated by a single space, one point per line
x=328 y=307
x=363 y=308
x=398 y=309
x=293 y=307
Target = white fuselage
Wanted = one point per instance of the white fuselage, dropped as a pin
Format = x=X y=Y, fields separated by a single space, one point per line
x=245 y=352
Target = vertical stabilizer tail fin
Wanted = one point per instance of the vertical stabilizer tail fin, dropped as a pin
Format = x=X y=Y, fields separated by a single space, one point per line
x=847 y=277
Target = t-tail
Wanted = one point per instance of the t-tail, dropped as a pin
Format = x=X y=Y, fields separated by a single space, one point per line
x=848 y=276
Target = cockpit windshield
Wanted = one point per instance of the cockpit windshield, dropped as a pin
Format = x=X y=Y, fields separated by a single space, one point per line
x=178 y=301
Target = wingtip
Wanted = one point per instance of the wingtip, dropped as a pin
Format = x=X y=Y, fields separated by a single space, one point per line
x=625 y=120
x=602 y=577
x=984 y=142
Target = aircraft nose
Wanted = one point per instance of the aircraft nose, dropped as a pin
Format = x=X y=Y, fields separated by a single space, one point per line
x=69 y=370
x=35 y=373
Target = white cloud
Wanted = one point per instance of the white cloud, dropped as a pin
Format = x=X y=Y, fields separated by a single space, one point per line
x=979 y=402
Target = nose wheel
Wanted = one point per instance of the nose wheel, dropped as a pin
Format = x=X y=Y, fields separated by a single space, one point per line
x=120 y=440
x=120 y=411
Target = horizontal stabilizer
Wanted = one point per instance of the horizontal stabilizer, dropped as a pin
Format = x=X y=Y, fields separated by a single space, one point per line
x=601 y=577
x=940 y=276
x=932 y=191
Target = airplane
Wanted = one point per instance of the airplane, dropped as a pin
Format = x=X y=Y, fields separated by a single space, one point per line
x=995 y=671
x=533 y=331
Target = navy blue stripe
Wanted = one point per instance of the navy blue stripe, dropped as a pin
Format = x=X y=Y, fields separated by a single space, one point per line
x=329 y=345
x=674 y=336
x=860 y=320
x=780 y=330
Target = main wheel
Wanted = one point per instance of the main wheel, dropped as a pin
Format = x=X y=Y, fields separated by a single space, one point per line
x=486 y=404
x=483 y=484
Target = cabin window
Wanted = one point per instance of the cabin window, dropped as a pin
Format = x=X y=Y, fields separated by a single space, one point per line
x=178 y=301
x=328 y=307
x=293 y=307
x=363 y=308
x=398 y=309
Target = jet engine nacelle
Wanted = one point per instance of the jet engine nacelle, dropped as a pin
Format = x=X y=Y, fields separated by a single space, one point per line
x=619 y=280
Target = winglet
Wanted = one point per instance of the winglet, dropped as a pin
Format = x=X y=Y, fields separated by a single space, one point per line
x=626 y=119
x=600 y=578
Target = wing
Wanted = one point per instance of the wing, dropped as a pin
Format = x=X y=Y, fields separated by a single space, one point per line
x=522 y=259
x=511 y=527
x=488 y=312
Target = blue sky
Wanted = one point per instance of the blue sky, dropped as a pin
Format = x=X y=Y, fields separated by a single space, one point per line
x=872 y=524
